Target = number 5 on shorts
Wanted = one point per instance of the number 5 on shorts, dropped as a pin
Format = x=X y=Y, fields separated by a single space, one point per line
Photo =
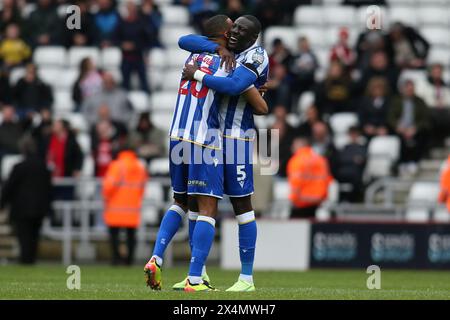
x=240 y=172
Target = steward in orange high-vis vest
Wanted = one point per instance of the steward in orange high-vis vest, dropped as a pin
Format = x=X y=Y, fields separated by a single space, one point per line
x=123 y=191
x=309 y=177
x=444 y=195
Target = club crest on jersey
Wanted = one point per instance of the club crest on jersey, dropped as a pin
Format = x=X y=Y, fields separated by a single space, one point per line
x=258 y=56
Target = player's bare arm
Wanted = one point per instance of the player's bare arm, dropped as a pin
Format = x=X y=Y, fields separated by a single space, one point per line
x=255 y=99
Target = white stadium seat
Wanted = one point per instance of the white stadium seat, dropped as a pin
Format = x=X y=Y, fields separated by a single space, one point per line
x=437 y=36
x=305 y=101
x=340 y=15
x=139 y=100
x=433 y=16
x=176 y=58
x=88 y=168
x=76 y=54
x=84 y=140
x=68 y=78
x=162 y=119
x=63 y=102
x=309 y=15
x=383 y=152
x=163 y=101
x=50 y=75
x=54 y=56
x=157 y=58
x=8 y=163
x=15 y=75
x=439 y=55
x=342 y=121
x=421 y=196
x=286 y=34
x=171 y=34
x=159 y=166
x=175 y=15
x=407 y=15
x=26 y=11
x=316 y=36
x=110 y=58
x=77 y=122
x=171 y=79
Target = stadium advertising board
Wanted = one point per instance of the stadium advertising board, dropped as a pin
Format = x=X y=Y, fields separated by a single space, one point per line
x=358 y=245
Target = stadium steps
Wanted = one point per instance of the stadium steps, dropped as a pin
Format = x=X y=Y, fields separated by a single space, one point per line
x=8 y=243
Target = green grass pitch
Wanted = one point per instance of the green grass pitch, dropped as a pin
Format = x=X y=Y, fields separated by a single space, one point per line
x=104 y=282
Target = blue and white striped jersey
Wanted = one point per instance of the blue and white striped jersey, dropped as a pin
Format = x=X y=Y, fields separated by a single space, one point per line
x=236 y=115
x=196 y=115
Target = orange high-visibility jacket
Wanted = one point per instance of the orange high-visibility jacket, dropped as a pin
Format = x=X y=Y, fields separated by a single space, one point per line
x=123 y=190
x=444 y=195
x=309 y=177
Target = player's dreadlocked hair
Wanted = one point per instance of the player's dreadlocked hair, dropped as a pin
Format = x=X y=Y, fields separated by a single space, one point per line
x=255 y=22
x=216 y=26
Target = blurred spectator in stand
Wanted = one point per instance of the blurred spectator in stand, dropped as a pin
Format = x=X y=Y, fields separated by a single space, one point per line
x=31 y=94
x=200 y=11
x=358 y=3
x=342 y=52
x=305 y=129
x=309 y=178
x=123 y=192
x=89 y=82
x=104 y=114
x=64 y=158
x=436 y=94
x=105 y=146
x=149 y=140
x=85 y=36
x=42 y=132
x=373 y=108
x=303 y=67
x=10 y=132
x=409 y=48
x=276 y=12
x=444 y=193
x=106 y=21
x=154 y=21
x=5 y=87
x=111 y=95
x=409 y=117
x=235 y=8
x=287 y=134
x=43 y=26
x=9 y=13
x=322 y=141
x=349 y=167
x=279 y=87
x=335 y=92
x=132 y=35
x=369 y=42
x=28 y=192
x=13 y=50
x=379 y=67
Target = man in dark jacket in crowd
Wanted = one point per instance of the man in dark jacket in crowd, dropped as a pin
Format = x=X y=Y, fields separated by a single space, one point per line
x=28 y=193
x=43 y=25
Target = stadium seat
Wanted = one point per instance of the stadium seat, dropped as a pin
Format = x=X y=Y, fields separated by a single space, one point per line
x=309 y=15
x=437 y=36
x=50 y=75
x=110 y=58
x=62 y=10
x=84 y=140
x=157 y=58
x=340 y=140
x=77 y=122
x=421 y=196
x=403 y=3
x=286 y=34
x=176 y=58
x=163 y=101
x=139 y=100
x=54 y=56
x=323 y=57
x=342 y=121
x=407 y=15
x=416 y=76
x=159 y=166
x=441 y=215
x=316 y=37
x=154 y=192
x=67 y=79
x=88 y=168
x=171 y=79
x=340 y=16
x=63 y=102
x=173 y=33
x=28 y=9
x=332 y=36
x=383 y=152
x=439 y=55
x=175 y=15
x=155 y=79
x=281 y=204
x=8 y=163
x=15 y=75
x=433 y=16
x=76 y=54
x=305 y=101
x=162 y=119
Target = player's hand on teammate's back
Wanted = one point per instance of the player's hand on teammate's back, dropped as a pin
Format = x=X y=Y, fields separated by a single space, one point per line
x=263 y=89
x=227 y=58
x=188 y=71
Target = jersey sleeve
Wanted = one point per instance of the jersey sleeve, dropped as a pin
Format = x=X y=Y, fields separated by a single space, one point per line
x=257 y=60
x=197 y=44
x=241 y=80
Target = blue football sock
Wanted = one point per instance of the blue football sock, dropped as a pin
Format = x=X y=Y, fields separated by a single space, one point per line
x=202 y=240
x=192 y=220
x=169 y=226
x=247 y=241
